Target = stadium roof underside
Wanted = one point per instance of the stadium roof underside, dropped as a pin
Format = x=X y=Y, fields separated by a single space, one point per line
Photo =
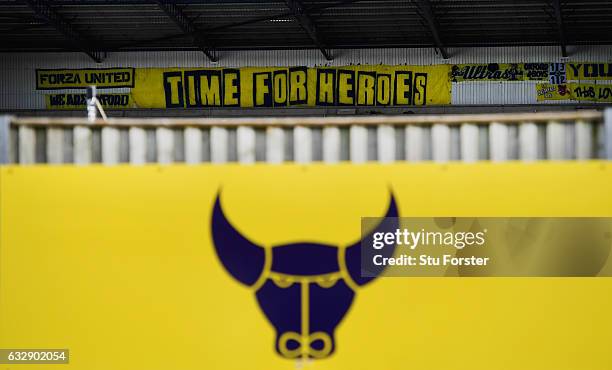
x=95 y=26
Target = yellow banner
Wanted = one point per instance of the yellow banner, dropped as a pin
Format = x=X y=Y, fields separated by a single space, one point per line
x=50 y=79
x=575 y=91
x=119 y=265
x=554 y=73
x=589 y=71
x=500 y=72
x=295 y=86
x=69 y=101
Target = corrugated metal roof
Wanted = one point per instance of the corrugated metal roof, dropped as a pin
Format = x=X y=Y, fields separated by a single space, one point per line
x=256 y=24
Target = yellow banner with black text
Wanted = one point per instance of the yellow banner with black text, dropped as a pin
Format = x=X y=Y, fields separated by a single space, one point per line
x=575 y=91
x=553 y=73
x=291 y=86
x=67 y=101
x=103 y=78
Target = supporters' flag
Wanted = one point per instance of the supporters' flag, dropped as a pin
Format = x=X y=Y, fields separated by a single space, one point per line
x=556 y=73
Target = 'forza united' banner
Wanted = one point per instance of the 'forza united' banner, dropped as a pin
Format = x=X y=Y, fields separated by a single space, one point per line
x=103 y=78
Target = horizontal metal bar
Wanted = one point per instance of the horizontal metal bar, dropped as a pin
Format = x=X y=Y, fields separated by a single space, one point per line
x=338 y=45
x=510 y=118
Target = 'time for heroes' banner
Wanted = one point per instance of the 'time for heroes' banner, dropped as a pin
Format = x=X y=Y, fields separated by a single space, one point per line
x=292 y=86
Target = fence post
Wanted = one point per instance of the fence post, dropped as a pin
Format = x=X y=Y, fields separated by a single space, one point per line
x=91 y=103
x=5 y=138
x=608 y=132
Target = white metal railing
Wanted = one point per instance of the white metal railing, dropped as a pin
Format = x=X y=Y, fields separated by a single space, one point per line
x=498 y=137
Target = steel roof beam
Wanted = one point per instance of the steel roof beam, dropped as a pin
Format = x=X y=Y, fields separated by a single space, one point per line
x=560 y=29
x=43 y=10
x=429 y=17
x=186 y=25
x=302 y=16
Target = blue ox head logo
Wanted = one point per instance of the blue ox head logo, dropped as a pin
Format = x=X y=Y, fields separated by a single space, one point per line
x=304 y=289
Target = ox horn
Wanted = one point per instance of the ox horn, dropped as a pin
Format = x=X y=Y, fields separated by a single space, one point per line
x=243 y=259
x=353 y=252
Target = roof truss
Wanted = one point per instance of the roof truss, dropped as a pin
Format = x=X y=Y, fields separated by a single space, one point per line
x=428 y=15
x=43 y=10
x=186 y=25
x=302 y=16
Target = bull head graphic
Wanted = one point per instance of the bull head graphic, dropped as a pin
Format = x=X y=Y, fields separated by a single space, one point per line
x=304 y=289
